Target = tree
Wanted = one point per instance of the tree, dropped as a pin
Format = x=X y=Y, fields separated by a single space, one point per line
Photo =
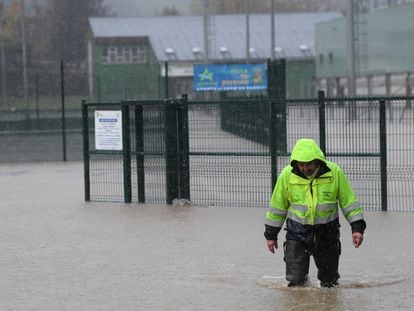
x=263 y=6
x=10 y=26
x=237 y=7
x=68 y=24
x=170 y=11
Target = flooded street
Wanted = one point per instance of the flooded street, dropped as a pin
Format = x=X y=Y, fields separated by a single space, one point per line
x=61 y=253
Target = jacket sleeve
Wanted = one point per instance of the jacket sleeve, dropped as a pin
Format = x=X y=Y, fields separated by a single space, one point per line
x=359 y=226
x=348 y=202
x=271 y=232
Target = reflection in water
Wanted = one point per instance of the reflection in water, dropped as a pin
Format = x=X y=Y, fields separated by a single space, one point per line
x=180 y=209
x=310 y=298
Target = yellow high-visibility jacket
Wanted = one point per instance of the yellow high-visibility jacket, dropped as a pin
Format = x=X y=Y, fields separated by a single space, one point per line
x=312 y=201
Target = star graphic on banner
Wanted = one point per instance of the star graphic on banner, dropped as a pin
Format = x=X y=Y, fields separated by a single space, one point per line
x=206 y=75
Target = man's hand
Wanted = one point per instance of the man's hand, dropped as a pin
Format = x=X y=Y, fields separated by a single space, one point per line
x=357 y=238
x=272 y=245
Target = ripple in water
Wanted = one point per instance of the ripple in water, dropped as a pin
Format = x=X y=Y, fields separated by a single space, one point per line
x=279 y=282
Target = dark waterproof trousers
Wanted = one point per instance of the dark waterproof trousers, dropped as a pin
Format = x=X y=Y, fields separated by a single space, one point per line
x=326 y=256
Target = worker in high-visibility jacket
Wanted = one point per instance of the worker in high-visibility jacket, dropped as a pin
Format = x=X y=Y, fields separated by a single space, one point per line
x=308 y=195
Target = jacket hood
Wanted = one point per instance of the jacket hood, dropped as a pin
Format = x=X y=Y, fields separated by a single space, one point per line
x=306 y=150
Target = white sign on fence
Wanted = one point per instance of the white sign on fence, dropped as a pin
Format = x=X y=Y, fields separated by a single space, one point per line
x=108 y=130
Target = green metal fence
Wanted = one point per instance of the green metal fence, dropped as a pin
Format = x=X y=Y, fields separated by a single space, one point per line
x=229 y=152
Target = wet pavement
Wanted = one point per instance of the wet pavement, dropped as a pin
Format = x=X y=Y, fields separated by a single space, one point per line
x=61 y=253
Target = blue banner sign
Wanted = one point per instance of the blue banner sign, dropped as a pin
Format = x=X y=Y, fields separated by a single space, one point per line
x=242 y=77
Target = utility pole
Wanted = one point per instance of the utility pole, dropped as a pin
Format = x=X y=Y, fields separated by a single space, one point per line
x=2 y=55
x=24 y=58
x=247 y=31
x=351 y=47
x=206 y=22
x=272 y=31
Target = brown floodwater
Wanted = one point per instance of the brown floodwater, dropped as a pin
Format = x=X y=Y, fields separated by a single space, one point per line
x=61 y=253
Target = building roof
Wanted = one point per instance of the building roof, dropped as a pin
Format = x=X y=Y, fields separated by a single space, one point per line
x=181 y=38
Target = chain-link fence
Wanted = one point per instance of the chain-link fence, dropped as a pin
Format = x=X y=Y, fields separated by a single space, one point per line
x=42 y=122
x=229 y=152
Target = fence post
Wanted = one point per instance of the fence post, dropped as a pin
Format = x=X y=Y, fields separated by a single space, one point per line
x=166 y=79
x=383 y=155
x=277 y=131
x=273 y=142
x=139 y=145
x=37 y=95
x=170 y=130
x=322 y=120
x=98 y=89
x=184 y=162
x=126 y=152
x=85 y=134
x=62 y=95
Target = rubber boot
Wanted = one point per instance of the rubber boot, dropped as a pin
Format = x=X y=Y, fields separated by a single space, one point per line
x=297 y=263
x=327 y=262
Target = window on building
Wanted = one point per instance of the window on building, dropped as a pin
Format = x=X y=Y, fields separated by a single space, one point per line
x=134 y=54
x=104 y=54
x=112 y=54
x=123 y=54
x=330 y=57
x=184 y=86
x=127 y=54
